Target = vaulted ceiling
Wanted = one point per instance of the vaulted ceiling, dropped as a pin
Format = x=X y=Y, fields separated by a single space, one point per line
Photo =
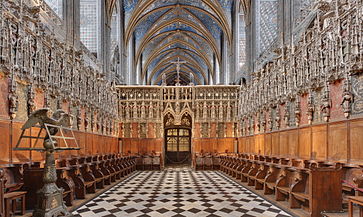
x=165 y=30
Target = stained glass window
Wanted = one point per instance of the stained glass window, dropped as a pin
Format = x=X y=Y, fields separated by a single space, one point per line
x=56 y=6
x=115 y=28
x=242 y=39
x=88 y=23
x=267 y=23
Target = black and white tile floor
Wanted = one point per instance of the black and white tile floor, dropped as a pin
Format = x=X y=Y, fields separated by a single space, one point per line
x=178 y=192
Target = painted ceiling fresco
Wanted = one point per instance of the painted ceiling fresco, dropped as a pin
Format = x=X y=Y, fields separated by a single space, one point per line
x=165 y=30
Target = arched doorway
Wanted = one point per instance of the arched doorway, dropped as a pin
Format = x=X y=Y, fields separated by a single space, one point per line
x=178 y=136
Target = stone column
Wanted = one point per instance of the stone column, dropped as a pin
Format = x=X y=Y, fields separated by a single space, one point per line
x=236 y=39
x=216 y=70
x=224 y=65
x=71 y=16
x=129 y=61
x=102 y=34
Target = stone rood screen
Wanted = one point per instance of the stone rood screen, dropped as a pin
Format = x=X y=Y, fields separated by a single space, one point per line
x=203 y=103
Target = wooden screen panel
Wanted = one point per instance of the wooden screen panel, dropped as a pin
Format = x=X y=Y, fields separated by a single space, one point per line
x=225 y=144
x=338 y=142
x=81 y=139
x=268 y=144
x=196 y=145
x=284 y=144
x=251 y=143
x=125 y=145
x=4 y=141
x=22 y=156
x=88 y=144
x=356 y=141
x=304 y=149
x=248 y=144
x=242 y=145
x=293 y=142
x=319 y=146
x=275 y=144
x=259 y=144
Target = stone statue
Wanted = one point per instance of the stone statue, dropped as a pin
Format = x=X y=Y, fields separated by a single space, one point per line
x=348 y=98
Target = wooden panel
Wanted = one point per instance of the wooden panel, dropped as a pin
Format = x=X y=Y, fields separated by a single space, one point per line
x=319 y=145
x=284 y=146
x=304 y=143
x=241 y=145
x=20 y=156
x=252 y=147
x=4 y=141
x=338 y=140
x=268 y=144
x=225 y=144
x=196 y=145
x=89 y=145
x=356 y=140
x=259 y=144
x=293 y=142
x=275 y=144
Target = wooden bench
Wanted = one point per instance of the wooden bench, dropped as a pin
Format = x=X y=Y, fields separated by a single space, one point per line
x=88 y=178
x=65 y=181
x=10 y=202
x=208 y=162
x=245 y=170
x=2 y=187
x=12 y=183
x=355 y=200
x=273 y=173
x=352 y=182
x=157 y=161
x=261 y=175
x=216 y=161
x=251 y=174
x=199 y=161
x=238 y=171
x=140 y=162
x=96 y=171
x=100 y=165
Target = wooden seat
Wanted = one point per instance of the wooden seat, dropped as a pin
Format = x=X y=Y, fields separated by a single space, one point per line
x=12 y=183
x=2 y=187
x=352 y=182
x=10 y=202
x=199 y=161
x=156 y=161
x=65 y=182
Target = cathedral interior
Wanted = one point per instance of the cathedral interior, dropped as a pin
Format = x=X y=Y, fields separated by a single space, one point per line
x=181 y=108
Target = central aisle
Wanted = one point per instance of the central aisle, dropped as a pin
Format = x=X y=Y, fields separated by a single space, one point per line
x=178 y=192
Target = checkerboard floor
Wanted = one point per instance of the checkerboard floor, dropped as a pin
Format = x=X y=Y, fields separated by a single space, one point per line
x=178 y=192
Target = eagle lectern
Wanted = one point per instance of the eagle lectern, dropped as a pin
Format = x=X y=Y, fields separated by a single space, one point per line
x=56 y=134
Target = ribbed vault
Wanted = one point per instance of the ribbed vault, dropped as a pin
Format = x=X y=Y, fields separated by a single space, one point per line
x=162 y=32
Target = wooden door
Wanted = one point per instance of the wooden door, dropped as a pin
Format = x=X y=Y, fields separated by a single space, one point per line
x=177 y=146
